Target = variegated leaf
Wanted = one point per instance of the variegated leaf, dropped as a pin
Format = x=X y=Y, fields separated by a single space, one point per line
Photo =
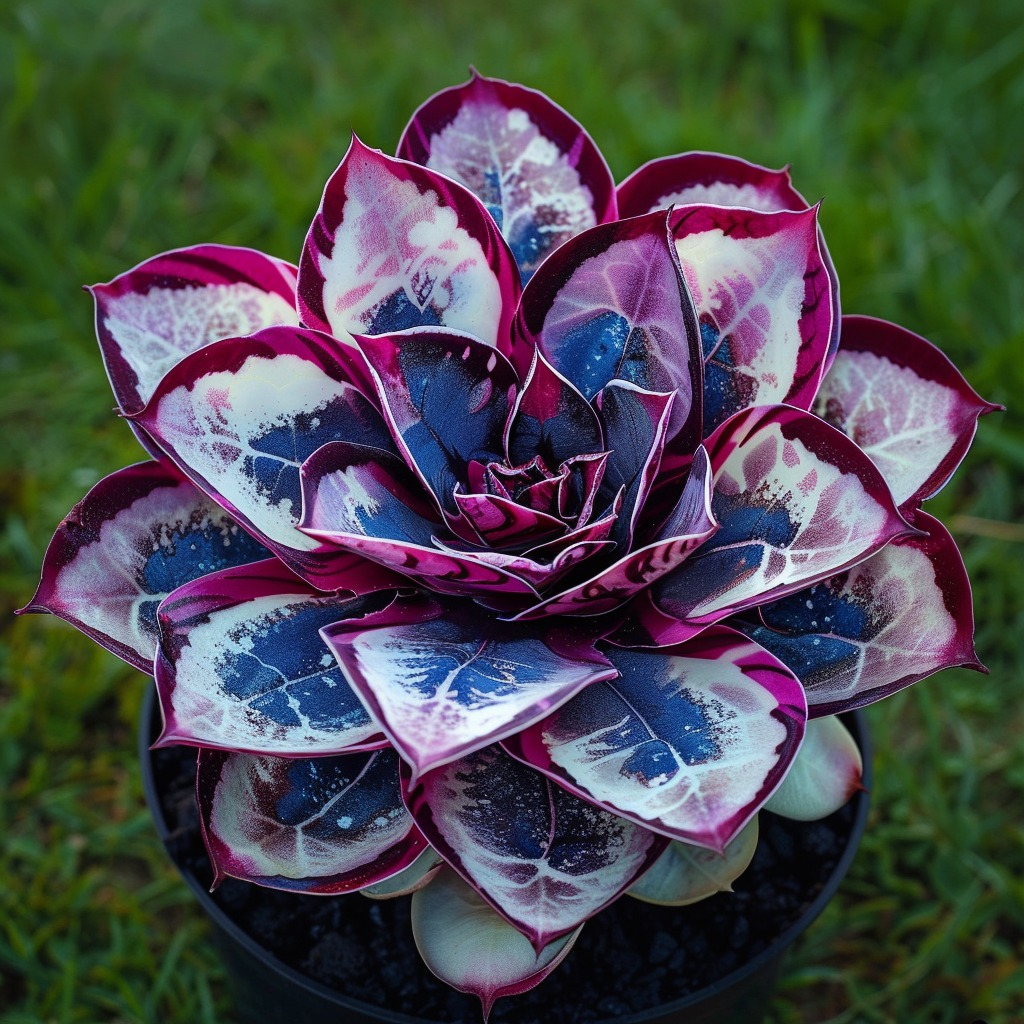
x=444 y=679
x=242 y=666
x=395 y=245
x=903 y=402
x=796 y=502
x=240 y=416
x=419 y=874
x=136 y=536
x=536 y=169
x=321 y=825
x=543 y=858
x=686 y=874
x=764 y=304
x=688 y=742
x=825 y=774
x=473 y=949
x=175 y=303
x=891 y=620
x=611 y=304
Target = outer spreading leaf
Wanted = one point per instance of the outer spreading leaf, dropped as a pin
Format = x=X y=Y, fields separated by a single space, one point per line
x=313 y=825
x=242 y=665
x=395 y=245
x=136 y=536
x=764 y=304
x=473 y=949
x=688 y=742
x=825 y=774
x=536 y=170
x=686 y=874
x=904 y=403
x=543 y=858
x=611 y=304
x=895 y=618
x=444 y=679
x=175 y=303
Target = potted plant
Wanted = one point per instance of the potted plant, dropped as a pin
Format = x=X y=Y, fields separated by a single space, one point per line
x=524 y=541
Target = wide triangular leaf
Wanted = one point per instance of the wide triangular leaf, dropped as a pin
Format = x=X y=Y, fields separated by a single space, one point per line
x=536 y=169
x=136 y=536
x=688 y=741
x=312 y=825
x=543 y=858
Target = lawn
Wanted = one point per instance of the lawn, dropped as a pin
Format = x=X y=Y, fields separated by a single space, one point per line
x=128 y=128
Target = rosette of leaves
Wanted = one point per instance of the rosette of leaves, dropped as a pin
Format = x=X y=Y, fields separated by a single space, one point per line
x=522 y=542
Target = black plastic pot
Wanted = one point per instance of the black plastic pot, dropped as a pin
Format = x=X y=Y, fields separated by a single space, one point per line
x=268 y=991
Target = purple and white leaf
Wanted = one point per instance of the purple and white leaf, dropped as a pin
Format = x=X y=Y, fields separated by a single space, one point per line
x=136 y=536
x=611 y=304
x=889 y=621
x=534 y=167
x=470 y=947
x=444 y=679
x=686 y=874
x=903 y=402
x=419 y=874
x=242 y=666
x=151 y=316
x=688 y=742
x=825 y=774
x=395 y=245
x=543 y=858
x=322 y=825
x=764 y=304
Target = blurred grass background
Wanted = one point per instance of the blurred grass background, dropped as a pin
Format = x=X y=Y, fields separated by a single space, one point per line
x=128 y=127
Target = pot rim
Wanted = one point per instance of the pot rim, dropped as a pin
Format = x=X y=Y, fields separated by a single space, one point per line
x=855 y=720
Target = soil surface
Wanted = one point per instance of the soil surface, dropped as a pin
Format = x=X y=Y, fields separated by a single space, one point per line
x=632 y=956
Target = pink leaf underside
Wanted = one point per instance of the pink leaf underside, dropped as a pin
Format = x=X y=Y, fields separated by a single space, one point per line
x=796 y=502
x=444 y=679
x=534 y=168
x=136 y=536
x=611 y=304
x=903 y=402
x=543 y=858
x=395 y=245
x=687 y=742
x=889 y=621
x=764 y=304
x=175 y=303
x=473 y=949
x=321 y=825
x=240 y=417
x=242 y=666
x=686 y=874
x=689 y=525
x=825 y=774
x=369 y=502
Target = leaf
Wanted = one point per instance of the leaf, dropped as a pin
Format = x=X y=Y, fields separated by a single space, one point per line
x=136 y=536
x=321 y=825
x=535 y=169
x=543 y=858
x=242 y=666
x=444 y=679
x=904 y=403
x=764 y=304
x=395 y=246
x=420 y=873
x=686 y=874
x=889 y=621
x=473 y=949
x=688 y=742
x=825 y=774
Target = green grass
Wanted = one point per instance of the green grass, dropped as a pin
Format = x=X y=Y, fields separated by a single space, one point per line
x=127 y=128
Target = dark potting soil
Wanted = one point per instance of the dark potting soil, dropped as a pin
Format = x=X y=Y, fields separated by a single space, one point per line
x=632 y=956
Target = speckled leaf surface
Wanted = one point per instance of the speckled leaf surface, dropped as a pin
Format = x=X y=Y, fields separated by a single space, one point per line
x=321 y=825
x=136 y=536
